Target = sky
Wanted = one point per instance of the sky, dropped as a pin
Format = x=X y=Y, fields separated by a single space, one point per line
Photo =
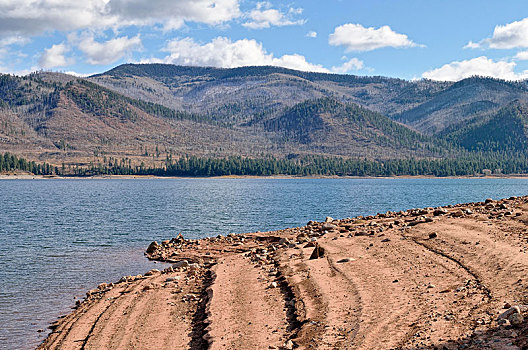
x=407 y=39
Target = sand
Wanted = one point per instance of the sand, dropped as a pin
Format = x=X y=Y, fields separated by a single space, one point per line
x=407 y=280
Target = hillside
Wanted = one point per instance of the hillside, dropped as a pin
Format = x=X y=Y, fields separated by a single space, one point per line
x=56 y=118
x=236 y=94
x=467 y=99
x=146 y=114
x=504 y=131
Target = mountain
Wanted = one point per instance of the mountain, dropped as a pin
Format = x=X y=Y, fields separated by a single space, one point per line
x=140 y=113
x=239 y=92
x=58 y=118
x=467 y=99
x=503 y=131
x=236 y=95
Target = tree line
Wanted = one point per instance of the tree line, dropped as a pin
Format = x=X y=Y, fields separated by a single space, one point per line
x=10 y=162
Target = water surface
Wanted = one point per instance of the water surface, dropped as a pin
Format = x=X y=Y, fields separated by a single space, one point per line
x=59 y=238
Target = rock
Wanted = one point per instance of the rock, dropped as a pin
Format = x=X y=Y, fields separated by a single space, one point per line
x=166 y=242
x=488 y=200
x=273 y=285
x=173 y=279
x=328 y=227
x=302 y=238
x=516 y=319
x=469 y=212
x=153 y=272
x=309 y=245
x=329 y=219
x=385 y=240
x=506 y=314
x=318 y=252
x=288 y=345
x=152 y=247
x=457 y=214
x=179 y=264
x=428 y=219
x=284 y=241
x=345 y=260
x=433 y=235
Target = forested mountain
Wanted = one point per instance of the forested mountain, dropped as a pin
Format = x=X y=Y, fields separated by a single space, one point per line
x=142 y=115
x=504 y=131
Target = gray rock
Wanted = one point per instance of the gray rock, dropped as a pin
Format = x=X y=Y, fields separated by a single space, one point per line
x=516 y=319
x=179 y=264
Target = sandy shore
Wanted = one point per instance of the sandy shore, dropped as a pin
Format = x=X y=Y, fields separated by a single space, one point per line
x=433 y=278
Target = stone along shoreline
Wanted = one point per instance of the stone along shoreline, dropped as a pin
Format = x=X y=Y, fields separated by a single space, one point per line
x=433 y=278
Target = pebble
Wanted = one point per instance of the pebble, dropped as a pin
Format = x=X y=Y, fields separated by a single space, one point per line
x=345 y=260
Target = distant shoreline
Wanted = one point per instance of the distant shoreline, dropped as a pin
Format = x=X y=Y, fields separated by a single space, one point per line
x=138 y=177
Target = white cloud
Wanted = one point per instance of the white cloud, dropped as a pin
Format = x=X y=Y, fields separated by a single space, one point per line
x=108 y=51
x=34 y=17
x=311 y=34
x=509 y=36
x=55 y=57
x=522 y=56
x=350 y=65
x=481 y=66
x=472 y=45
x=355 y=37
x=222 y=52
x=265 y=17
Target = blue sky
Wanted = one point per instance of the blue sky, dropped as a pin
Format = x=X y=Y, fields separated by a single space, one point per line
x=409 y=39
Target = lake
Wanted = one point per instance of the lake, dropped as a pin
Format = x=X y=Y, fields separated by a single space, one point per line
x=59 y=238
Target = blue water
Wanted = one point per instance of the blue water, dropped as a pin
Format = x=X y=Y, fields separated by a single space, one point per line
x=59 y=238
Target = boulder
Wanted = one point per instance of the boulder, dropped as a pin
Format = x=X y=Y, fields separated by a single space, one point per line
x=318 y=252
x=152 y=247
x=328 y=227
x=329 y=219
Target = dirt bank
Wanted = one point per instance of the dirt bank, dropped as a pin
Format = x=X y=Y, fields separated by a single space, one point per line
x=433 y=278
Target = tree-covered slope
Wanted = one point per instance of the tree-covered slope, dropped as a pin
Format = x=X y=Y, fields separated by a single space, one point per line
x=504 y=131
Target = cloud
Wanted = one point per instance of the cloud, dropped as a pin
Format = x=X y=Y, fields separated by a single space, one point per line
x=108 y=51
x=174 y=13
x=522 y=56
x=311 y=34
x=509 y=36
x=31 y=17
x=355 y=37
x=55 y=57
x=481 y=66
x=472 y=45
x=265 y=17
x=350 y=65
x=222 y=52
